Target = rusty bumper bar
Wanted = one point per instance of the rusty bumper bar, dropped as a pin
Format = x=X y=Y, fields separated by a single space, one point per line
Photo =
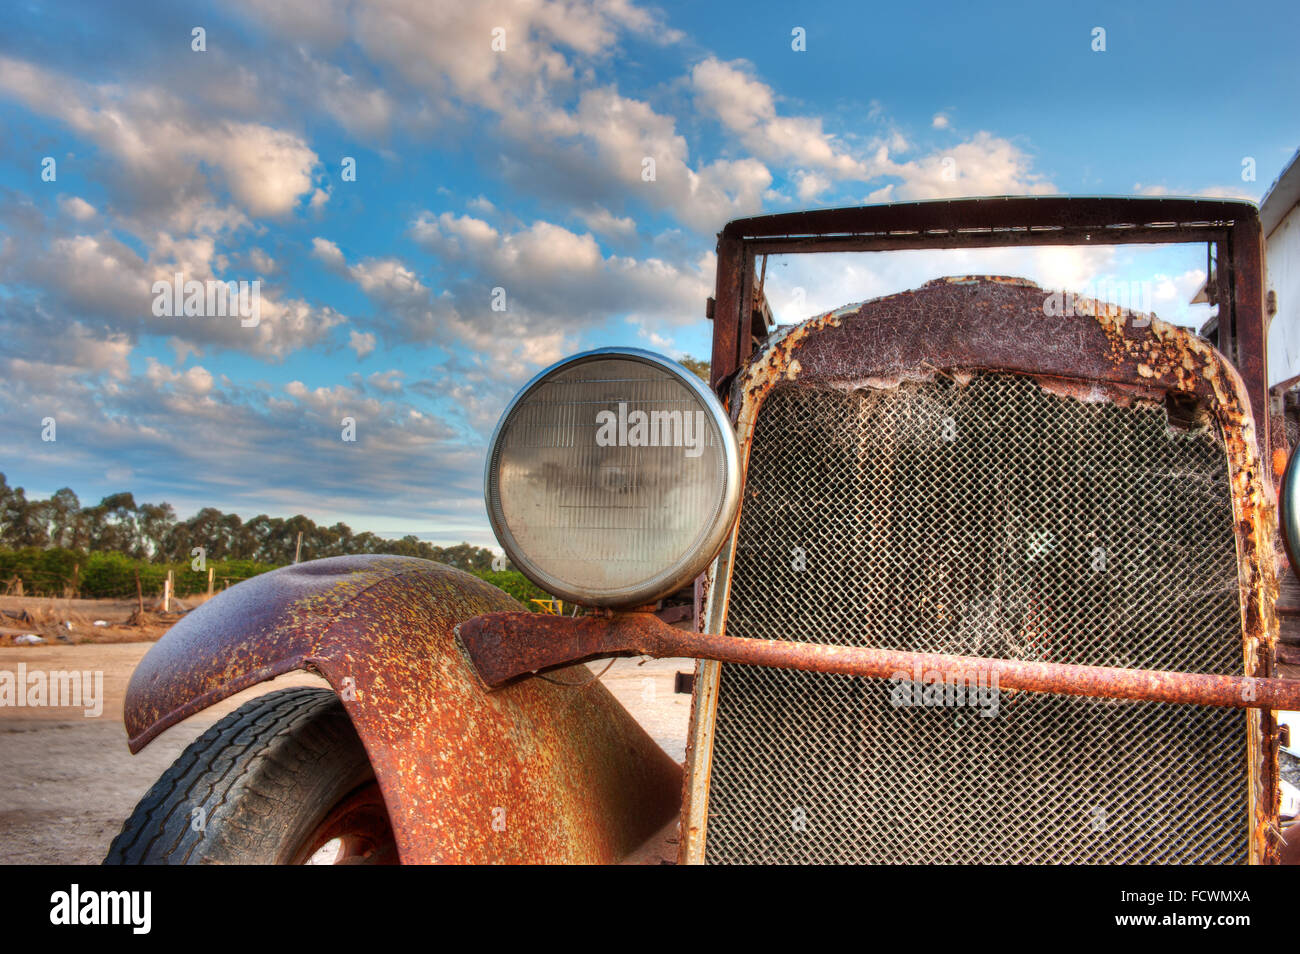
x=505 y=646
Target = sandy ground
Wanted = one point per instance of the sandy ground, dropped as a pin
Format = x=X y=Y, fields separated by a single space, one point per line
x=74 y=621
x=68 y=781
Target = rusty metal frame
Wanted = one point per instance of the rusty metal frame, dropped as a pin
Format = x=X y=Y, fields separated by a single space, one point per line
x=1233 y=227
x=965 y=325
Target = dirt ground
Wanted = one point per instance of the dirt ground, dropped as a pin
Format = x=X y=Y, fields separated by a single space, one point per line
x=68 y=781
x=75 y=621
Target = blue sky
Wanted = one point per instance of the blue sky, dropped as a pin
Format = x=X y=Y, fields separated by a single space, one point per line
x=522 y=169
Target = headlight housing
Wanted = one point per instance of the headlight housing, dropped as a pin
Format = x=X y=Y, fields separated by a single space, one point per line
x=613 y=478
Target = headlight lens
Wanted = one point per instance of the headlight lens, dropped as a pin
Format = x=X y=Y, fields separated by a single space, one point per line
x=613 y=478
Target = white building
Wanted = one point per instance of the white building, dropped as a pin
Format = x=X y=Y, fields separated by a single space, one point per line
x=1279 y=214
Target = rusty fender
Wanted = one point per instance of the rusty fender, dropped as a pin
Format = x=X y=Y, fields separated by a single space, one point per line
x=539 y=772
x=504 y=646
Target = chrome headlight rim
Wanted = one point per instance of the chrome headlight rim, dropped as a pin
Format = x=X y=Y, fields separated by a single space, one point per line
x=698 y=556
x=1288 y=503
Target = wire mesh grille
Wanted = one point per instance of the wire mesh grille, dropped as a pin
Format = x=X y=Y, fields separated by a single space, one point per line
x=992 y=519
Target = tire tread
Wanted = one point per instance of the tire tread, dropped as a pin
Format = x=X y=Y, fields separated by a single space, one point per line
x=243 y=772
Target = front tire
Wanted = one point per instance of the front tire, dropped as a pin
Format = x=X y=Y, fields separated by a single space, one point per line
x=283 y=779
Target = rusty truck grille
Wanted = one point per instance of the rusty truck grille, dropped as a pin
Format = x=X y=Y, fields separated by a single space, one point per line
x=988 y=518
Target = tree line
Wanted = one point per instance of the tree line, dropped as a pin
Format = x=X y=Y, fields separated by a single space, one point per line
x=152 y=533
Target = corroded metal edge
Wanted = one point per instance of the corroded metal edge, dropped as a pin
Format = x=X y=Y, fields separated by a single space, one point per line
x=698 y=767
x=963 y=325
x=542 y=771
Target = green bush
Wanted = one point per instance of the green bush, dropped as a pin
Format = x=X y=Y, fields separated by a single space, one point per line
x=516 y=584
x=60 y=567
x=112 y=575
x=43 y=572
x=190 y=581
x=26 y=565
x=107 y=575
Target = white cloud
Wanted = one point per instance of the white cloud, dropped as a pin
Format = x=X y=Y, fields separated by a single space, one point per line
x=388 y=279
x=558 y=276
x=1171 y=297
x=68 y=349
x=387 y=381
x=261 y=261
x=326 y=251
x=76 y=207
x=161 y=147
x=600 y=150
x=362 y=342
x=195 y=380
x=109 y=285
x=364 y=111
x=267 y=170
x=809 y=185
x=747 y=107
x=461 y=62
x=983 y=165
x=603 y=222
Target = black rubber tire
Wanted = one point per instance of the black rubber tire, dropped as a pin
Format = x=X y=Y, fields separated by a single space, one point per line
x=262 y=779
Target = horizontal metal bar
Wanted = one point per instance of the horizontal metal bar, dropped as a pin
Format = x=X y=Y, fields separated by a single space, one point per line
x=1076 y=213
x=891 y=242
x=505 y=646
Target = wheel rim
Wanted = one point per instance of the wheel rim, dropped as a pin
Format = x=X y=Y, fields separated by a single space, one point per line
x=356 y=831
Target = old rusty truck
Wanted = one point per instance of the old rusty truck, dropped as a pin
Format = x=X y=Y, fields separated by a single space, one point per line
x=980 y=579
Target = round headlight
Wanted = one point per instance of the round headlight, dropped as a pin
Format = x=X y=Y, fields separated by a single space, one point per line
x=613 y=478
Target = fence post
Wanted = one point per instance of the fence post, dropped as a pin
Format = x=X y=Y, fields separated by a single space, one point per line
x=211 y=574
x=297 y=553
x=139 y=593
x=167 y=592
